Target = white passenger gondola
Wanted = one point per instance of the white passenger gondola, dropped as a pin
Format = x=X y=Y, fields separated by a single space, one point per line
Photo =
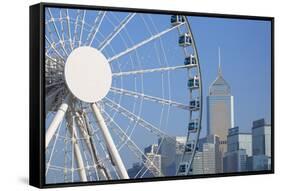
x=190 y=61
x=185 y=40
x=183 y=166
x=189 y=147
x=194 y=104
x=193 y=126
x=193 y=83
x=177 y=19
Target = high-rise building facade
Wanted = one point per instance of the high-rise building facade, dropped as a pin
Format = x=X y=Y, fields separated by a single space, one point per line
x=235 y=161
x=220 y=109
x=238 y=140
x=261 y=135
x=167 y=150
x=209 y=146
x=239 y=149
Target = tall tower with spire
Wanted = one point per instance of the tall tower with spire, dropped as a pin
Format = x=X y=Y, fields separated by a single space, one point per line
x=220 y=111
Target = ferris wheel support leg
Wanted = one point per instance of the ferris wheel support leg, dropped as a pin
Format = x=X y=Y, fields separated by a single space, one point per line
x=57 y=120
x=77 y=152
x=91 y=147
x=109 y=143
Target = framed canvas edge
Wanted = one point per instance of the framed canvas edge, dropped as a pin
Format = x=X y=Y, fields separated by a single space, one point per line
x=40 y=91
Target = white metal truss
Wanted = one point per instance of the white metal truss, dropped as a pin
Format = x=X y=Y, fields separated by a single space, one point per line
x=142 y=43
x=148 y=70
x=141 y=122
x=133 y=147
x=149 y=98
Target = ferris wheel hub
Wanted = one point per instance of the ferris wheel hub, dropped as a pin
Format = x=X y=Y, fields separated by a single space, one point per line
x=88 y=74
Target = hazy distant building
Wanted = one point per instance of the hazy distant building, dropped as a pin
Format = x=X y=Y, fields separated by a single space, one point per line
x=167 y=150
x=238 y=140
x=209 y=145
x=261 y=135
x=261 y=162
x=239 y=148
x=220 y=110
x=207 y=157
x=138 y=170
x=235 y=161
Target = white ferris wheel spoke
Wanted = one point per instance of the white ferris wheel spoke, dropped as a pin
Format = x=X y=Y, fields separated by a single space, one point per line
x=142 y=43
x=116 y=31
x=148 y=70
x=69 y=30
x=78 y=24
x=140 y=121
x=132 y=146
x=82 y=28
x=52 y=45
x=95 y=28
x=149 y=98
x=57 y=32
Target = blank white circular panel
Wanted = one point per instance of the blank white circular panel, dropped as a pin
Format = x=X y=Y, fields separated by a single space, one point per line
x=88 y=74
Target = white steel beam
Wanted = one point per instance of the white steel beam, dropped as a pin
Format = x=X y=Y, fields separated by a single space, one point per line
x=141 y=122
x=96 y=26
x=77 y=151
x=149 y=70
x=133 y=146
x=116 y=31
x=142 y=43
x=85 y=130
x=122 y=172
x=56 y=121
x=149 y=98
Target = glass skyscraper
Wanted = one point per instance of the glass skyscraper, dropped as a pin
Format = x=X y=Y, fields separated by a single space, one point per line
x=220 y=114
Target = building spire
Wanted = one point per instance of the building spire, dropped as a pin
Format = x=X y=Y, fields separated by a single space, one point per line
x=219 y=69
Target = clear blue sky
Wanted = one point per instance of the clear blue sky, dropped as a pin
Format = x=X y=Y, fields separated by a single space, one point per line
x=246 y=63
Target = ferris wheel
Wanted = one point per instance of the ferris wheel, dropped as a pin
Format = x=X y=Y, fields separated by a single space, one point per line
x=116 y=82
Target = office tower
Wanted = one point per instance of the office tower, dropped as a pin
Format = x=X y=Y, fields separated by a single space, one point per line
x=220 y=114
x=238 y=140
x=209 y=145
x=261 y=162
x=239 y=148
x=235 y=161
x=261 y=135
x=167 y=150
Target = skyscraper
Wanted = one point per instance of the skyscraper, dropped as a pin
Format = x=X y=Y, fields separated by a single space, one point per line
x=261 y=133
x=167 y=150
x=209 y=146
x=238 y=140
x=220 y=111
x=239 y=148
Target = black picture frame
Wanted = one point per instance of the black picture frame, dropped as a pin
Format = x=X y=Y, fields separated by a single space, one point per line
x=37 y=92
